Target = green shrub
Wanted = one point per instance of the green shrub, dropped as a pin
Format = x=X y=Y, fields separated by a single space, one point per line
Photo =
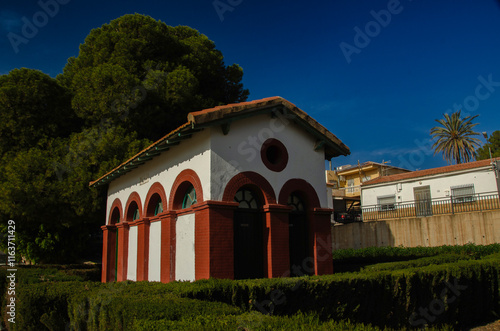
x=351 y=260
x=383 y=298
x=119 y=305
x=418 y=263
x=44 y=306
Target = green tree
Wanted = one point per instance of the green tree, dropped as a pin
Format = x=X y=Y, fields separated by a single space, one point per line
x=134 y=80
x=45 y=190
x=455 y=138
x=146 y=76
x=493 y=143
x=33 y=107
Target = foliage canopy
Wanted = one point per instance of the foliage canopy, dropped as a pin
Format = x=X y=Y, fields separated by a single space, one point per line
x=134 y=80
x=493 y=143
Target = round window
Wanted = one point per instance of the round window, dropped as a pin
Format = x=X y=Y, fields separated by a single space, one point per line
x=274 y=155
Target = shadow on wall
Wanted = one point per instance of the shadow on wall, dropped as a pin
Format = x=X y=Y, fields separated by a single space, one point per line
x=362 y=235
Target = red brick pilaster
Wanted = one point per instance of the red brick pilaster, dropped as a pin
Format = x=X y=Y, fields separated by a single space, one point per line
x=278 y=253
x=214 y=235
x=322 y=241
x=167 y=273
x=122 y=262
x=143 y=226
x=108 y=253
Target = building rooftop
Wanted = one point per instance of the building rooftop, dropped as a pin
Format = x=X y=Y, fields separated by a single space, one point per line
x=223 y=116
x=349 y=167
x=430 y=172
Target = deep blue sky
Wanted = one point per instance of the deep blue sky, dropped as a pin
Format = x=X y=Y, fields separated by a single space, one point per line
x=431 y=56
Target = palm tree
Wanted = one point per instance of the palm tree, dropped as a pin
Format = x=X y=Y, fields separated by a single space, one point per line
x=455 y=138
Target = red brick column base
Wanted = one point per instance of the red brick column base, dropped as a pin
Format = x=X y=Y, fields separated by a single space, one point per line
x=276 y=232
x=167 y=268
x=143 y=226
x=122 y=229
x=214 y=236
x=108 y=253
x=322 y=241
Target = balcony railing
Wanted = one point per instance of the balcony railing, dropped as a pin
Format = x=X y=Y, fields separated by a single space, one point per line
x=437 y=206
x=347 y=191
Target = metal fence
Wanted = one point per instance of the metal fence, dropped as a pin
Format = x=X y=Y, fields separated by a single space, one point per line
x=437 y=206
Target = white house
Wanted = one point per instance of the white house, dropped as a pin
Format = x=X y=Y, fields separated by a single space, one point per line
x=236 y=192
x=455 y=188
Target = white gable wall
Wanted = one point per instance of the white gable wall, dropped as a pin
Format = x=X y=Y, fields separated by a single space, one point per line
x=483 y=179
x=239 y=151
x=191 y=153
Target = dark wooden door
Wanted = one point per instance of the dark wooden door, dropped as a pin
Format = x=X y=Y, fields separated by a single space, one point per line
x=248 y=244
x=423 y=202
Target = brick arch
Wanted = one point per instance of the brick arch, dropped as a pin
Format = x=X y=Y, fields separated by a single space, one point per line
x=134 y=197
x=150 y=205
x=304 y=190
x=116 y=204
x=253 y=180
x=184 y=179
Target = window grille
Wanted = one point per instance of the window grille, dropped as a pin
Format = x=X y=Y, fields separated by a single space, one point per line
x=463 y=193
x=387 y=202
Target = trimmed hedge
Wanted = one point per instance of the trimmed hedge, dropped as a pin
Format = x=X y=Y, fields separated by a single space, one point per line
x=418 y=263
x=352 y=260
x=460 y=292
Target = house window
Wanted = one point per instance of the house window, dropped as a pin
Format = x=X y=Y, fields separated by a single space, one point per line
x=463 y=193
x=387 y=202
x=159 y=208
x=274 y=155
x=350 y=185
x=365 y=179
x=189 y=197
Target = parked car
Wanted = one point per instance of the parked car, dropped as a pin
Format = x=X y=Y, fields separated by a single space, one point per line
x=348 y=217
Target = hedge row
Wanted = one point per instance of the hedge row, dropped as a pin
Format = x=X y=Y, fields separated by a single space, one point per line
x=384 y=254
x=147 y=306
x=352 y=260
x=461 y=293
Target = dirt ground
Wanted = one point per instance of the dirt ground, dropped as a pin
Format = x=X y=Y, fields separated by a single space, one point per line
x=495 y=326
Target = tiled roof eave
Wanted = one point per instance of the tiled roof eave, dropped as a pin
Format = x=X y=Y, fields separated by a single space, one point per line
x=173 y=138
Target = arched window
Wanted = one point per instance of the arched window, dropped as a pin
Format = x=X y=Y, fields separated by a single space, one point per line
x=136 y=214
x=246 y=199
x=115 y=216
x=159 y=207
x=296 y=203
x=189 y=197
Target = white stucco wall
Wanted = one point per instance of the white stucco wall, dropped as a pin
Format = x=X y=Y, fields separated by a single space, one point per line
x=154 y=267
x=184 y=248
x=483 y=179
x=239 y=151
x=132 y=254
x=192 y=153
